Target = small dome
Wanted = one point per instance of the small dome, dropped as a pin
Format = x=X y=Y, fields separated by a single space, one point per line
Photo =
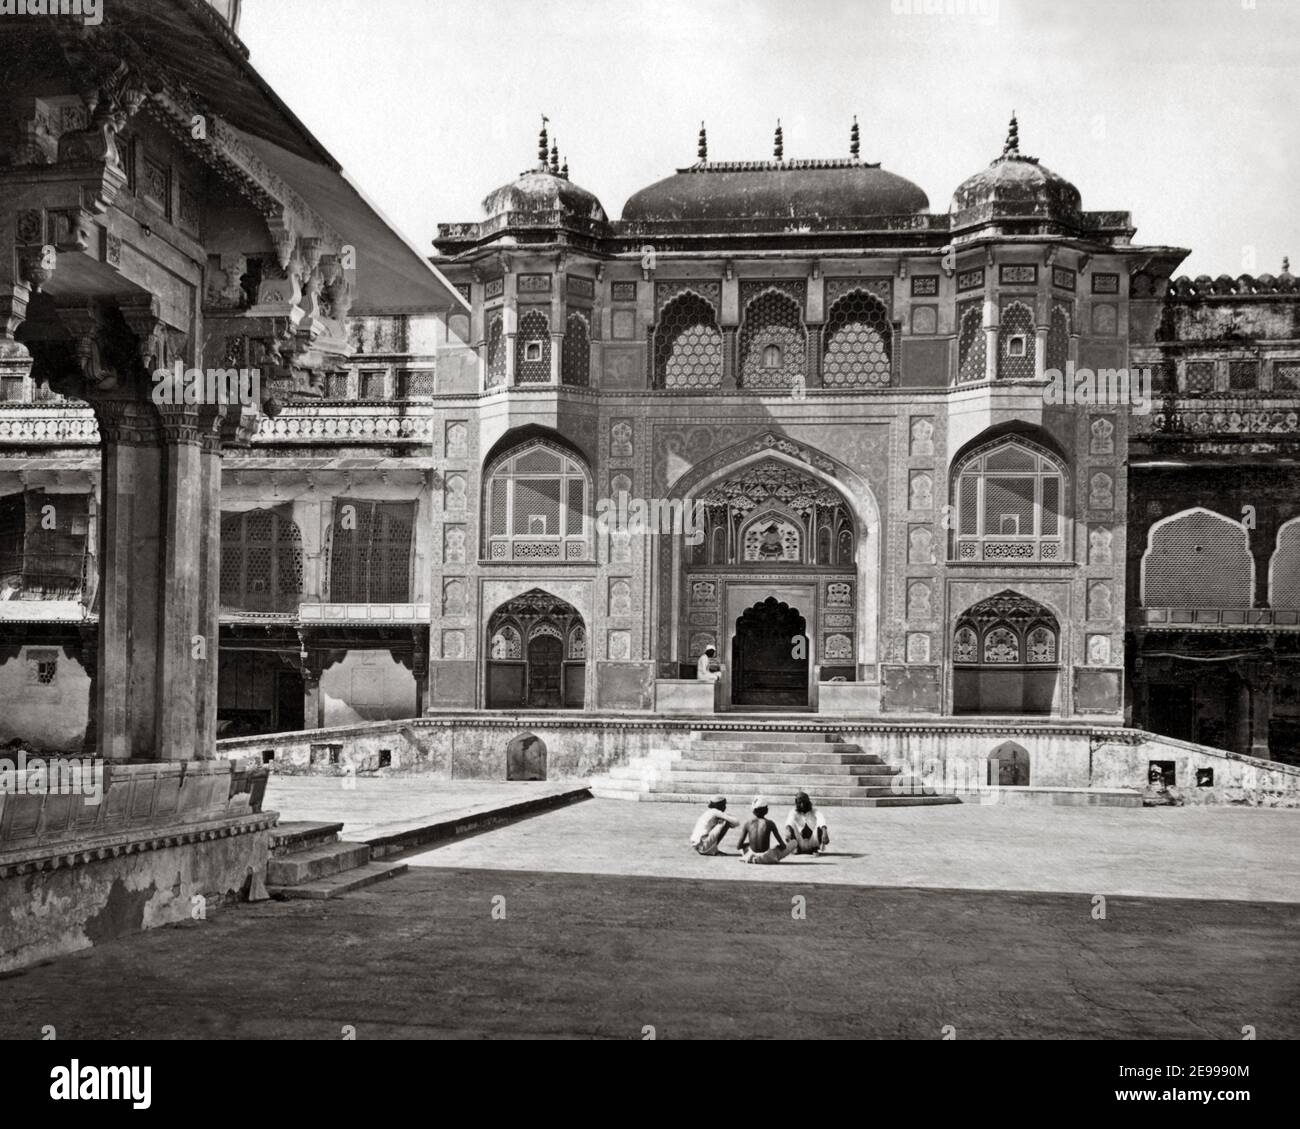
x=1015 y=186
x=776 y=190
x=540 y=190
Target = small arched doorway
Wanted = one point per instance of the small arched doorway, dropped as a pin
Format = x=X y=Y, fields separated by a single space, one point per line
x=769 y=657
x=1006 y=657
x=1008 y=766
x=537 y=654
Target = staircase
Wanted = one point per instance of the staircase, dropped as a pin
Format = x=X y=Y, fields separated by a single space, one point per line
x=308 y=861
x=775 y=763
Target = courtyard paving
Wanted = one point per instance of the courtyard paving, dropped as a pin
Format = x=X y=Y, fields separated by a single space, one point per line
x=596 y=921
x=1212 y=853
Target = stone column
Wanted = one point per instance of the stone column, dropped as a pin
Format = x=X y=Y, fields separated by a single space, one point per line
x=557 y=354
x=815 y=355
x=990 y=341
x=1040 y=353
x=420 y=668
x=729 y=376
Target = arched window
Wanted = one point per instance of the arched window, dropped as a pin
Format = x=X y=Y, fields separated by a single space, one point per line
x=496 y=350
x=1284 y=569
x=1198 y=559
x=971 y=347
x=538 y=499
x=773 y=319
x=858 y=343
x=533 y=349
x=1009 y=499
x=261 y=562
x=688 y=345
x=575 y=358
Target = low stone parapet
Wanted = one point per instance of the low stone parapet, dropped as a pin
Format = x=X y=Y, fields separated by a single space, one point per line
x=686 y=696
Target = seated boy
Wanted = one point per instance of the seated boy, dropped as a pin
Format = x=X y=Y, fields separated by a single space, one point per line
x=806 y=826
x=758 y=834
x=713 y=824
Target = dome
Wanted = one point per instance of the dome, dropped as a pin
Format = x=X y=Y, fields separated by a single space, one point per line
x=541 y=190
x=716 y=192
x=1015 y=186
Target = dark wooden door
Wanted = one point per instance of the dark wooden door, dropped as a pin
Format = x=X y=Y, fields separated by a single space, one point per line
x=545 y=662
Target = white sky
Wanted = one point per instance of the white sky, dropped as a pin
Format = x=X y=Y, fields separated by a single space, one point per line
x=1182 y=111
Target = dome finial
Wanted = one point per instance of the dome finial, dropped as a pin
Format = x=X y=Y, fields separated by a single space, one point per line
x=542 y=141
x=1286 y=264
x=555 y=159
x=855 y=139
x=703 y=151
x=778 y=142
x=564 y=169
x=1012 y=147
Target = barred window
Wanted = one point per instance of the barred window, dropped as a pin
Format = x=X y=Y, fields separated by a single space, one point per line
x=575 y=359
x=1198 y=559
x=773 y=319
x=261 y=562
x=496 y=350
x=415 y=384
x=688 y=345
x=538 y=502
x=858 y=343
x=533 y=349
x=1017 y=346
x=1286 y=377
x=1243 y=376
x=373 y=384
x=971 y=347
x=43 y=546
x=1199 y=378
x=11 y=389
x=1009 y=501
x=336 y=385
x=1058 y=338
x=370 y=552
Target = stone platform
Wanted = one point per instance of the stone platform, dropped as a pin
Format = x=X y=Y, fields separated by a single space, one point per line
x=945 y=755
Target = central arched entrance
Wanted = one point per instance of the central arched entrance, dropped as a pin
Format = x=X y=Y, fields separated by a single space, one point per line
x=769 y=658
x=537 y=654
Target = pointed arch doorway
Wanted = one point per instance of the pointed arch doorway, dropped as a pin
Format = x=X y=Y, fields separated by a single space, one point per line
x=770 y=662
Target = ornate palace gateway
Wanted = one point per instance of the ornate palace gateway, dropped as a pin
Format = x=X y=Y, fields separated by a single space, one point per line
x=980 y=461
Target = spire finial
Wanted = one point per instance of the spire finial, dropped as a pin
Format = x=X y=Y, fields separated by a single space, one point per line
x=703 y=151
x=778 y=142
x=1286 y=264
x=564 y=169
x=855 y=139
x=542 y=141
x=1012 y=147
x=555 y=159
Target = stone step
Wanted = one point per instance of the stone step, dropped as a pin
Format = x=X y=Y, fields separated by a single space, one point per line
x=315 y=862
x=740 y=804
x=830 y=771
x=336 y=884
x=764 y=735
x=287 y=837
x=803 y=748
x=779 y=790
